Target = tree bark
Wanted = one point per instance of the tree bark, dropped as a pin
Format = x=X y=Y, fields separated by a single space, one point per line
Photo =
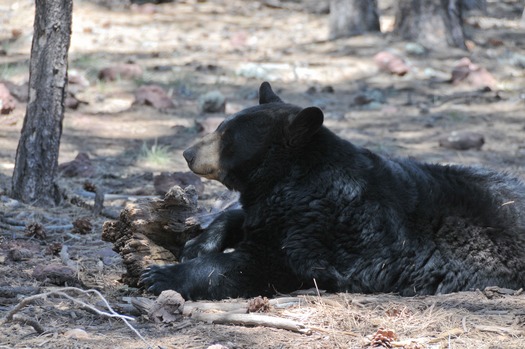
x=37 y=154
x=353 y=17
x=432 y=23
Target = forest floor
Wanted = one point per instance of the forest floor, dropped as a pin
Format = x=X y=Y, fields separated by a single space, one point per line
x=192 y=47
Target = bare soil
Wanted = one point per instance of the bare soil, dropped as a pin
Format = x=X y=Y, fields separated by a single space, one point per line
x=191 y=47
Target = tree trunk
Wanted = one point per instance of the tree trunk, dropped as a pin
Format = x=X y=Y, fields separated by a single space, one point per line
x=37 y=154
x=353 y=17
x=432 y=23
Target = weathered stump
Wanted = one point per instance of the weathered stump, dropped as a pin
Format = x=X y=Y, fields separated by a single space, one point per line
x=154 y=231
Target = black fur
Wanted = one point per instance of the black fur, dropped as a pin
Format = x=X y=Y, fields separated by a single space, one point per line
x=317 y=207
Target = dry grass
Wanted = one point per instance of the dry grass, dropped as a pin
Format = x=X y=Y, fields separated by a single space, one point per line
x=461 y=320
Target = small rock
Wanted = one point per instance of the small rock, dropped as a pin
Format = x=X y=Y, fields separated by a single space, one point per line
x=154 y=96
x=327 y=89
x=9 y=203
x=76 y=333
x=19 y=254
x=125 y=71
x=217 y=346
x=108 y=256
x=212 y=102
x=57 y=274
x=369 y=96
x=81 y=166
x=415 y=49
x=518 y=60
x=167 y=307
x=473 y=74
x=462 y=140
x=7 y=101
x=72 y=102
x=311 y=90
x=165 y=181
x=391 y=63
x=16 y=33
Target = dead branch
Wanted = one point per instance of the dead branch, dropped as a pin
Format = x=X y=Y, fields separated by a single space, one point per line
x=251 y=320
x=498 y=329
x=144 y=305
x=62 y=293
x=12 y=227
x=190 y=307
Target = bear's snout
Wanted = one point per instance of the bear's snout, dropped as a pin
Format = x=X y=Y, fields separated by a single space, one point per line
x=203 y=157
x=189 y=155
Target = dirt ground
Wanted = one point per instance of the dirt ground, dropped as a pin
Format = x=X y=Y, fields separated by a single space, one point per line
x=192 y=47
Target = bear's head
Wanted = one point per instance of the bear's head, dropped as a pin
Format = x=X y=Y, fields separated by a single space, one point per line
x=256 y=143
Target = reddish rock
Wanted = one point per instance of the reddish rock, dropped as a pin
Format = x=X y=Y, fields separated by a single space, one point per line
x=125 y=71
x=391 y=63
x=153 y=95
x=472 y=74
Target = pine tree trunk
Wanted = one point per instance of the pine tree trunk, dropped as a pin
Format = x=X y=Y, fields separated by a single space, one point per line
x=432 y=23
x=37 y=154
x=353 y=17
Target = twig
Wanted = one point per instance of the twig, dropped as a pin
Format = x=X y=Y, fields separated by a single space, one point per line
x=464 y=324
x=190 y=307
x=12 y=227
x=58 y=227
x=64 y=257
x=14 y=291
x=499 y=330
x=62 y=293
x=90 y=195
x=10 y=221
x=252 y=320
x=27 y=321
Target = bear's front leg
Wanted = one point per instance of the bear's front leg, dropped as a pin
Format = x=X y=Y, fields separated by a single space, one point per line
x=211 y=276
x=224 y=232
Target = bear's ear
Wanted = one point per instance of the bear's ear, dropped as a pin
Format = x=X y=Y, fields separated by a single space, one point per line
x=304 y=125
x=266 y=94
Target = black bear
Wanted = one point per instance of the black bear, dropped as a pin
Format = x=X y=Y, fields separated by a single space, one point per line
x=318 y=210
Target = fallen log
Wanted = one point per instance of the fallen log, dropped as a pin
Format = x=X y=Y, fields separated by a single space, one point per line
x=153 y=231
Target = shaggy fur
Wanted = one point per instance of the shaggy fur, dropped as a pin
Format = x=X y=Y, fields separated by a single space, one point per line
x=317 y=207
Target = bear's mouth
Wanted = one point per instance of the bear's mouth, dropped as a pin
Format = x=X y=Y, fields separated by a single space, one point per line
x=207 y=173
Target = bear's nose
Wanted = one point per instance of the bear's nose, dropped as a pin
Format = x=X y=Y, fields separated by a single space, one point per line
x=189 y=154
